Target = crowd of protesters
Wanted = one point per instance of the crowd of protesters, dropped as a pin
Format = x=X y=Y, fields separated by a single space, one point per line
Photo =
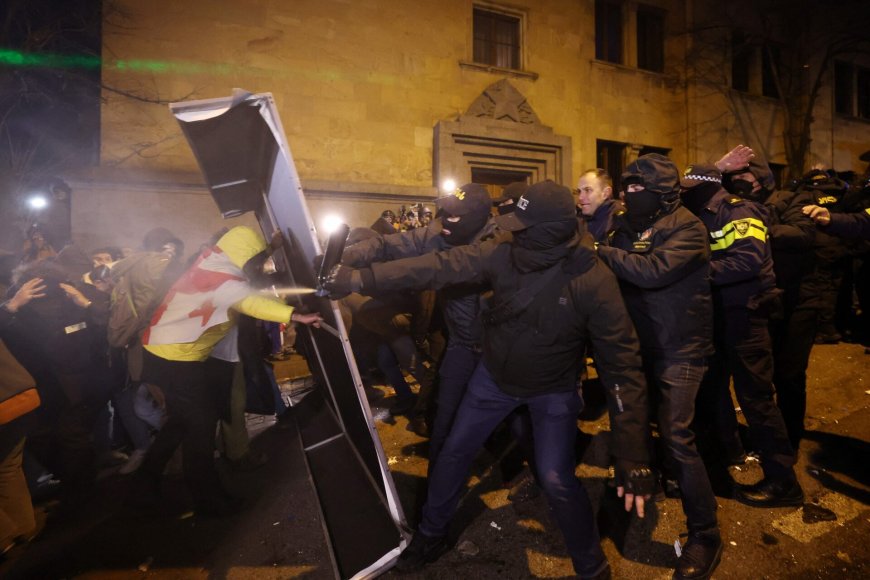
x=679 y=285
x=724 y=280
x=120 y=358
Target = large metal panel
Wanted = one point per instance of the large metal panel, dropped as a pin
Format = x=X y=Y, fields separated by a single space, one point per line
x=240 y=146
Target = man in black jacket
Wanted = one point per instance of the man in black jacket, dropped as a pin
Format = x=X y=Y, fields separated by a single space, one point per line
x=550 y=295
x=661 y=256
x=463 y=218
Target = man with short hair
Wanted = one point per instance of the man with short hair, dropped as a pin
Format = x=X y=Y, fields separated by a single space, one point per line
x=595 y=203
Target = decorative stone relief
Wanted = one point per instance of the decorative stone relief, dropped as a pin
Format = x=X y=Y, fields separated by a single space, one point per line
x=503 y=102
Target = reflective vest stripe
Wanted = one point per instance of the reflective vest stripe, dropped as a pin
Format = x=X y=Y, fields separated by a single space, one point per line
x=738 y=230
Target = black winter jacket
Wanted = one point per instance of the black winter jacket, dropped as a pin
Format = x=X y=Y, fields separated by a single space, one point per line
x=664 y=276
x=541 y=350
x=853 y=225
x=741 y=265
x=461 y=303
x=792 y=237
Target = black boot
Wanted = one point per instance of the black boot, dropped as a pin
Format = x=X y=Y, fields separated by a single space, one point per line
x=771 y=493
x=422 y=550
x=701 y=554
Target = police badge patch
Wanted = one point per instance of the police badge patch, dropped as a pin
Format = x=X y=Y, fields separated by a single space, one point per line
x=742 y=227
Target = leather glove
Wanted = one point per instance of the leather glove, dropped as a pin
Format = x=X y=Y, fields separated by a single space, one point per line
x=342 y=281
x=636 y=478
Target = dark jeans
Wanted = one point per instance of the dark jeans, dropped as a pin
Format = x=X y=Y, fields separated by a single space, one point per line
x=554 y=421
x=677 y=384
x=793 y=340
x=743 y=352
x=193 y=409
x=455 y=371
x=389 y=365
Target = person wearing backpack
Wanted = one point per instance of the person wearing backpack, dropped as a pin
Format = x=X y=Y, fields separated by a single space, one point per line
x=194 y=316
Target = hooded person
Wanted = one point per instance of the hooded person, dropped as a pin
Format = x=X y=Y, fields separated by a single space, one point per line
x=463 y=218
x=660 y=254
x=744 y=297
x=550 y=295
x=463 y=213
x=193 y=317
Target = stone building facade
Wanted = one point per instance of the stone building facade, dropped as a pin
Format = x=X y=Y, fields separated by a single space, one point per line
x=382 y=100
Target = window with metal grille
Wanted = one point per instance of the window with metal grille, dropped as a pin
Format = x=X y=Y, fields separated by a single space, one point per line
x=496 y=39
x=608 y=31
x=650 y=39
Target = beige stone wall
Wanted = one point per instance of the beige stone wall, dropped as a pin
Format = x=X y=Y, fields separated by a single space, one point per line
x=360 y=85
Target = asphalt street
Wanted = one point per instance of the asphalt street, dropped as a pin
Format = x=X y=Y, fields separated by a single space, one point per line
x=278 y=534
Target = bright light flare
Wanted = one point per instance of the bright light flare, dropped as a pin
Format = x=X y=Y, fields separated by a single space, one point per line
x=37 y=202
x=331 y=223
x=448 y=185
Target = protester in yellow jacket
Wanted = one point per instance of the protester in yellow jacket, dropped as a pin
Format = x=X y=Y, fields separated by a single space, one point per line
x=193 y=317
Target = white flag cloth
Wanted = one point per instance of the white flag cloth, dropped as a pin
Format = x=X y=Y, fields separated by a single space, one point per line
x=199 y=300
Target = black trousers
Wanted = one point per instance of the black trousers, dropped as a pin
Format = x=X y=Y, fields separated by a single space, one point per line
x=793 y=339
x=193 y=407
x=743 y=352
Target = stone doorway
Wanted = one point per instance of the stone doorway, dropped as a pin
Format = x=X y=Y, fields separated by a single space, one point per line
x=498 y=140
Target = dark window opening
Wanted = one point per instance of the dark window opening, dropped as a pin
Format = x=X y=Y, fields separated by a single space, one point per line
x=770 y=66
x=608 y=31
x=496 y=179
x=741 y=59
x=646 y=149
x=650 y=39
x=610 y=156
x=496 y=39
x=863 y=86
x=843 y=87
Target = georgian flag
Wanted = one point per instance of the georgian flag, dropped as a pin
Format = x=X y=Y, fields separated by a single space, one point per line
x=199 y=300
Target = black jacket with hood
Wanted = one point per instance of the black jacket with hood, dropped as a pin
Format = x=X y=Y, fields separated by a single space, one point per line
x=541 y=350
x=461 y=303
x=664 y=274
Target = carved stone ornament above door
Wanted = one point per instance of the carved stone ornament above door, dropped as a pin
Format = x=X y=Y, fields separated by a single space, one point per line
x=500 y=132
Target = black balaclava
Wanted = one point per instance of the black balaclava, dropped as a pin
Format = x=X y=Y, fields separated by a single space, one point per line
x=696 y=198
x=542 y=245
x=463 y=231
x=641 y=208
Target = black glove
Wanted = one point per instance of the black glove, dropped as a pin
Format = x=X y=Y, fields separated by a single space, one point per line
x=636 y=478
x=342 y=281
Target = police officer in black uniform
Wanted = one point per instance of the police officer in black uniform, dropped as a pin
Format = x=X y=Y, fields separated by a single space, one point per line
x=793 y=331
x=744 y=295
